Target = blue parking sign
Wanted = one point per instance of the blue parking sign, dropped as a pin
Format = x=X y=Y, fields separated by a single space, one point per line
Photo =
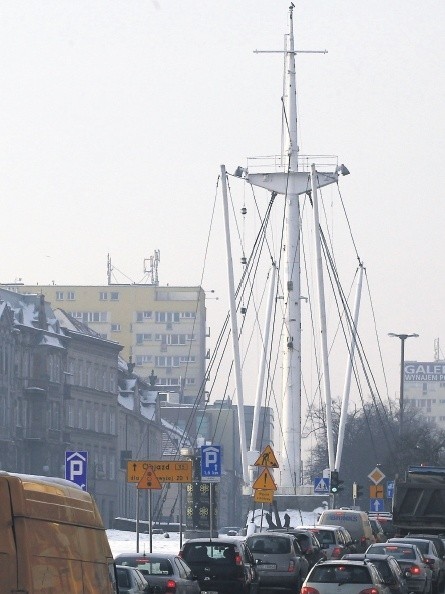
x=210 y=464
x=76 y=464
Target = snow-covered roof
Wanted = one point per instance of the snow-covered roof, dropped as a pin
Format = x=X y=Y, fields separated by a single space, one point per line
x=126 y=401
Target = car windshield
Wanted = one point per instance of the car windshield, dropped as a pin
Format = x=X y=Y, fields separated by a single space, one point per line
x=398 y=551
x=150 y=565
x=339 y=574
x=272 y=545
x=383 y=568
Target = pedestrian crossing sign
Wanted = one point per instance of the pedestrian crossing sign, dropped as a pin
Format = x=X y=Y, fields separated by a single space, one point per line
x=322 y=485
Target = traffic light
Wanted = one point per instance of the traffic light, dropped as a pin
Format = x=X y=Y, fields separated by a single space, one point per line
x=336 y=482
x=357 y=490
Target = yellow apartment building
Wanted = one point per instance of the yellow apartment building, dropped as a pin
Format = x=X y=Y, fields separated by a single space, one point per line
x=162 y=329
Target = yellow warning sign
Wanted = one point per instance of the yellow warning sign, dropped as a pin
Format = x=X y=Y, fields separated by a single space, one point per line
x=267 y=458
x=149 y=480
x=265 y=481
x=262 y=496
x=167 y=471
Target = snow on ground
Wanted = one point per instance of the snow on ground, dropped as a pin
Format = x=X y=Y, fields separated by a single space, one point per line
x=122 y=541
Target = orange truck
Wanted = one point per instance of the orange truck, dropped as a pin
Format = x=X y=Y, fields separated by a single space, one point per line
x=52 y=539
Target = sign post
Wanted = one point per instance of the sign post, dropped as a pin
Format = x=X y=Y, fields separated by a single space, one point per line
x=264 y=486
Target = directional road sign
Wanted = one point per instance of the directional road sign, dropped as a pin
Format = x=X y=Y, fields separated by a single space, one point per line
x=265 y=481
x=376 y=491
x=376 y=505
x=322 y=485
x=76 y=464
x=167 y=471
x=210 y=464
x=267 y=458
x=390 y=489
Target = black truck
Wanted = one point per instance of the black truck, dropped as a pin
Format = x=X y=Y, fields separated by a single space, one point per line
x=419 y=501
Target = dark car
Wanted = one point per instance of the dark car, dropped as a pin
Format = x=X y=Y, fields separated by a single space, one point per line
x=388 y=568
x=279 y=561
x=377 y=530
x=131 y=581
x=165 y=572
x=412 y=563
x=309 y=545
x=225 y=566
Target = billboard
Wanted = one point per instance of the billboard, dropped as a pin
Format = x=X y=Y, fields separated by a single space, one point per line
x=421 y=371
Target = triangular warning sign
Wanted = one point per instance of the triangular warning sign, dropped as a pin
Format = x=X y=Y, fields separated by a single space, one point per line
x=149 y=480
x=267 y=458
x=265 y=481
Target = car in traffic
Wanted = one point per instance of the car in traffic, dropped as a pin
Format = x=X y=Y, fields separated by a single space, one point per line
x=388 y=568
x=344 y=577
x=131 y=581
x=334 y=540
x=166 y=573
x=309 y=545
x=279 y=561
x=417 y=573
x=229 y=530
x=356 y=523
x=222 y=565
x=440 y=548
x=385 y=521
x=430 y=554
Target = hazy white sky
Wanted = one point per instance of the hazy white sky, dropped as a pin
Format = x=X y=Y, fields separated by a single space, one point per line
x=116 y=115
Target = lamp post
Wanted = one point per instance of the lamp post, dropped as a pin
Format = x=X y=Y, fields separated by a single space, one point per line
x=402 y=337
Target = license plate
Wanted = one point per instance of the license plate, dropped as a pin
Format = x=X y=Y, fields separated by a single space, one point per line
x=266 y=566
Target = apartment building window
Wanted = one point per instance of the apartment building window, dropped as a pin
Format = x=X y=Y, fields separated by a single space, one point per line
x=103 y=296
x=78 y=315
x=94 y=316
x=166 y=317
x=59 y=295
x=80 y=414
x=70 y=414
x=141 y=338
x=143 y=359
x=71 y=296
x=113 y=381
x=142 y=316
x=168 y=381
x=189 y=359
x=190 y=381
x=112 y=466
x=114 y=296
x=191 y=315
x=89 y=424
x=112 y=422
x=115 y=327
x=167 y=361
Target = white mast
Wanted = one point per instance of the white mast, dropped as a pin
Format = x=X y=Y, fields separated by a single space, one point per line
x=290 y=182
x=323 y=325
x=234 y=328
x=347 y=386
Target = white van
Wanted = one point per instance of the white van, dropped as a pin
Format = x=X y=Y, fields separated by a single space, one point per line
x=355 y=522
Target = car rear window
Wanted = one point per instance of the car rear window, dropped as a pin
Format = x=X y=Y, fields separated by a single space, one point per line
x=340 y=574
x=209 y=553
x=422 y=546
x=325 y=536
x=151 y=565
x=272 y=545
x=399 y=552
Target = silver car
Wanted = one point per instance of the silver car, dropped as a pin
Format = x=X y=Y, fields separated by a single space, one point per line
x=344 y=577
x=279 y=561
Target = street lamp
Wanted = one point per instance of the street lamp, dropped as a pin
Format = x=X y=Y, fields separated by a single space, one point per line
x=402 y=337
